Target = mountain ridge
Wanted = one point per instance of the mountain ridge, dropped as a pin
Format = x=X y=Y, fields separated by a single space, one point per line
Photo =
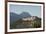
x=15 y=17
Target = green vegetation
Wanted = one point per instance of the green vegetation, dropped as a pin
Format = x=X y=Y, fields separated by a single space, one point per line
x=37 y=23
x=28 y=24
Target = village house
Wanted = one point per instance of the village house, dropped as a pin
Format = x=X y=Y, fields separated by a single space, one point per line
x=28 y=20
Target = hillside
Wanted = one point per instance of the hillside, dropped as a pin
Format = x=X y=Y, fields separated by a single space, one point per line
x=36 y=23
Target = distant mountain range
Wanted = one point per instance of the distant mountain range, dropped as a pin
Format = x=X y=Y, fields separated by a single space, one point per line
x=25 y=14
x=15 y=17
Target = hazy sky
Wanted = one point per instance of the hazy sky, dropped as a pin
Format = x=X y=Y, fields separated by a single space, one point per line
x=32 y=10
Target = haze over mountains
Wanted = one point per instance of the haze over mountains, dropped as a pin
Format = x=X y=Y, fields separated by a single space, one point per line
x=15 y=17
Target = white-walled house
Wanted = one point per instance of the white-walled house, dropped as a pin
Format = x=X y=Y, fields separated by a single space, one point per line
x=29 y=18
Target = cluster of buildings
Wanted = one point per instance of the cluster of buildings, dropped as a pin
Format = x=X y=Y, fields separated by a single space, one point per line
x=29 y=18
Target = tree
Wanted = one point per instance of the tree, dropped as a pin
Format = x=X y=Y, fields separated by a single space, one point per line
x=37 y=23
